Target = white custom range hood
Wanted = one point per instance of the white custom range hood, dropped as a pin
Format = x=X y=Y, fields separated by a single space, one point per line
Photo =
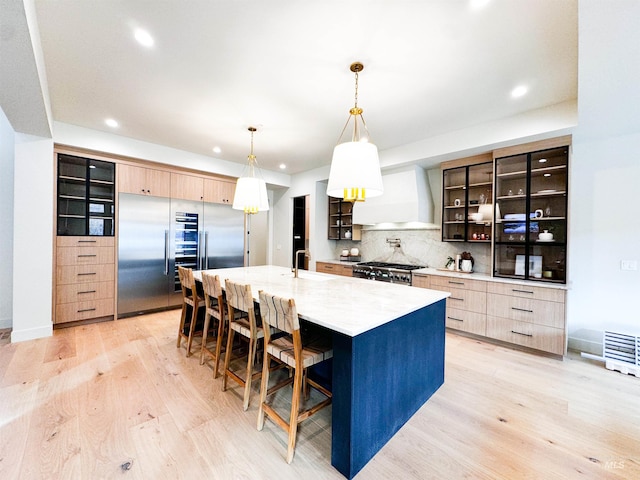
x=406 y=198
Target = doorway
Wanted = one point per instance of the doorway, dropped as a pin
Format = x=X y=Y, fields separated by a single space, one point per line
x=300 y=231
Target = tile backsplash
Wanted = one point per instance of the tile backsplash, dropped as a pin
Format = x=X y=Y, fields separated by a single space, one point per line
x=422 y=247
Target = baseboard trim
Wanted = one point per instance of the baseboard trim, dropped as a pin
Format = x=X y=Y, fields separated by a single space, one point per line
x=31 y=333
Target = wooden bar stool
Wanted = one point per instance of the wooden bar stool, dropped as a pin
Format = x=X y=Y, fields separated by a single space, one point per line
x=281 y=314
x=214 y=309
x=240 y=299
x=190 y=298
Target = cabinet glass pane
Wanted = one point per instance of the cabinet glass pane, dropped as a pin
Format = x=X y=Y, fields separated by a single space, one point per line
x=531 y=216
x=86 y=194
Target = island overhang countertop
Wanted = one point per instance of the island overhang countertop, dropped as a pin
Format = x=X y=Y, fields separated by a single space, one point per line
x=347 y=305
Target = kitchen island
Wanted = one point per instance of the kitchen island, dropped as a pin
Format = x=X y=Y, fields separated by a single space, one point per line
x=388 y=350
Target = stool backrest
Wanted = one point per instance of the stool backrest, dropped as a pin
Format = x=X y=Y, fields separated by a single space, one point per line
x=239 y=296
x=187 y=282
x=279 y=312
x=212 y=292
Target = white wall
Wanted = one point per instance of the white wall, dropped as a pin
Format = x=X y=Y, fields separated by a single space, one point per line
x=605 y=176
x=7 y=153
x=32 y=238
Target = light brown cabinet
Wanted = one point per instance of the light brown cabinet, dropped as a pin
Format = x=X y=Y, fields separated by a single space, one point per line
x=85 y=278
x=529 y=316
x=143 y=181
x=334 y=268
x=219 y=191
x=466 y=307
x=421 y=281
x=520 y=314
x=187 y=187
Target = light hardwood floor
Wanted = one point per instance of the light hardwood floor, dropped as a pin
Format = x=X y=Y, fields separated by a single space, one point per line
x=119 y=400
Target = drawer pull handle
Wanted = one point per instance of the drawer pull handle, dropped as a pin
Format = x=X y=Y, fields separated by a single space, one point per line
x=87 y=255
x=521 y=309
x=456 y=319
x=522 y=291
x=523 y=334
x=87 y=291
x=90 y=273
x=86 y=310
x=456 y=283
x=456 y=298
x=86 y=241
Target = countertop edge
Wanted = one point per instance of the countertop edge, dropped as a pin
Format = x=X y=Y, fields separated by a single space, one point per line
x=488 y=278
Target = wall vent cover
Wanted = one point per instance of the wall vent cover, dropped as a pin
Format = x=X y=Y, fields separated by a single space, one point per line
x=622 y=353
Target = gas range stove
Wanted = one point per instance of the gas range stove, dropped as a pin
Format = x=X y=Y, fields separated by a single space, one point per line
x=385 y=272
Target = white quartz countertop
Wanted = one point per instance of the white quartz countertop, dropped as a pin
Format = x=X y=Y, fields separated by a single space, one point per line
x=340 y=262
x=485 y=277
x=347 y=305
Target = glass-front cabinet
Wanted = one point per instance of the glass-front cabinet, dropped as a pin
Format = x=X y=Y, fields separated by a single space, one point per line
x=467 y=211
x=86 y=194
x=531 y=215
x=340 y=220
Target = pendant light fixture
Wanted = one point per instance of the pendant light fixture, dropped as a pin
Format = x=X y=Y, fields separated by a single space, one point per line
x=251 y=189
x=355 y=167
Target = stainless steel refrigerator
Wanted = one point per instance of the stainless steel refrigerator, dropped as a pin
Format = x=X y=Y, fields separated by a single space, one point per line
x=156 y=235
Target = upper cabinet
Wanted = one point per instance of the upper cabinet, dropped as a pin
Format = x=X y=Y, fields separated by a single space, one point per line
x=85 y=196
x=531 y=215
x=341 y=221
x=143 y=181
x=467 y=210
x=219 y=191
x=187 y=187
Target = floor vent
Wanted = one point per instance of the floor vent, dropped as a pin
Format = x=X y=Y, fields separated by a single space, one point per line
x=622 y=353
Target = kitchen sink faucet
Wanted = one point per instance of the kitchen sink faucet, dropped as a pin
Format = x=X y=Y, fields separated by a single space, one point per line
x=306 y=254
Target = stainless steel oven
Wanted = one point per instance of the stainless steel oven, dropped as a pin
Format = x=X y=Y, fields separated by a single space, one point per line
x=385 y=272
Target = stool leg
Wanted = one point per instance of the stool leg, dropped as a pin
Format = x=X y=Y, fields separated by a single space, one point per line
x=207 y=319
x=219 y=343
x=183 y=317
x=227 y=358
x=293 y=419
x=264 y=386
x=192 y=327
x=247 y=382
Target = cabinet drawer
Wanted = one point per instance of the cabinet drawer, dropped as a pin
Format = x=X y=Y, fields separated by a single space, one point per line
x=469 y=300
x=84 y=292
x=526 y=310
x=70 y=312
x=85 y=241
x=455 y=282
x=344 y=270
x=527 y=334
x=526 y=291
x=85 y=256
x=67 y=274
x=421 y=281
x=471 y=322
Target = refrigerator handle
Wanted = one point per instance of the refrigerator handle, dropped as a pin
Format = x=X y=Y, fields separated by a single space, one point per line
x=166 y=252
x=199 y=251
x=205 y=260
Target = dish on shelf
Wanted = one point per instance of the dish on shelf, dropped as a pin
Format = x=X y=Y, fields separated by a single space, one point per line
x=545 y=241
x=552 y=190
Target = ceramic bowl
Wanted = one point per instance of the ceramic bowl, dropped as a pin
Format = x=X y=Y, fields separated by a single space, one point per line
x=476 y=217
x=545 y=236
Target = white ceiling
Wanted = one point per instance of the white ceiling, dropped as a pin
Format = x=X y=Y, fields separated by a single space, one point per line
x=219 y=66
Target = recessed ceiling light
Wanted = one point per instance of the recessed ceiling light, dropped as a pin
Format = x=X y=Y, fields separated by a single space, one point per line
x=111 y=123
x=542 y=160
x=282 y=166
x=143 y=37
x=478 y=4
x=519 y=91
x=217 y=149
x=547 y=174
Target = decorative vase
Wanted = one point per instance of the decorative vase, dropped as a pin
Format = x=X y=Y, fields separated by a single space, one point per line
x=466 y=266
